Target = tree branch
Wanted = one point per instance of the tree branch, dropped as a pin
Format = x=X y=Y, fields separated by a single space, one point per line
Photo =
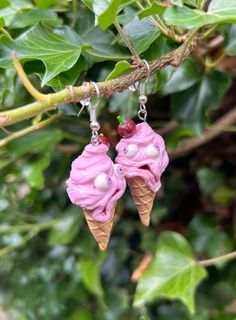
x=106 y=88
x=34 y=127
x=189 y=144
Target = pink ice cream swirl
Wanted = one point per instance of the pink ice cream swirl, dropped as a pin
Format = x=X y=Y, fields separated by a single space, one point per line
x=143 y=155
x=95 y=182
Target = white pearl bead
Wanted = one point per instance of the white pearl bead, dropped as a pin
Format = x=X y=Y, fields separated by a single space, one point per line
x=102 y=182
x=152 y=152
x=132 y=150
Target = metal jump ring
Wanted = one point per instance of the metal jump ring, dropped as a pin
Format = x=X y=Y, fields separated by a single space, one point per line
x=142 y=114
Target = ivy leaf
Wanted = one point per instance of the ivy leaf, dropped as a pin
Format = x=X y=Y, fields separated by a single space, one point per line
x=230 y=41
x=4 y=4
x=58 y=50
x=155 y=8
x=178 y=3
x=202 y=229
x=100 y=41
x=105 y=11
x=183 y=78
x=33 y=172
x=124 y=3
x=142 y=33
x=159 y=48
x=120 y=68
x=190 y=106
x=42 y=4
x=124 y=103
x=9 y=12
x=32 y=17
x=219 y=11
x=90 y=271
x=173 y=274
x=2 y=22
x=36 y=142
x=89 y=4
x=209 y=180
x=65 y=230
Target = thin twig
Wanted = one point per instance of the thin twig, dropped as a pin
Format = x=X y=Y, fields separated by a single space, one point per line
x=211 y=262
x=135 y=55
x=27 y=84
x=35 y=127
x=6 y=33
x=189 y=144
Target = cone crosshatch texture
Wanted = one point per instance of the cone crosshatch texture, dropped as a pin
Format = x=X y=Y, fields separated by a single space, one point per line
x=143 y=198
x=101 y=231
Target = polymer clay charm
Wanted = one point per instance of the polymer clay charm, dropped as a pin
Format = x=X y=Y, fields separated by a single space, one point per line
x=141 y=152
x=144 y=158
x=96 y=183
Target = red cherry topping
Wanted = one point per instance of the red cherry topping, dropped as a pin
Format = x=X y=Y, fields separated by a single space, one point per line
x=104 y=140
x=126 y=128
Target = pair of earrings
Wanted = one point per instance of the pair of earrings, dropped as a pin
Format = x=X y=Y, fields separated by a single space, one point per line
x=96 y=182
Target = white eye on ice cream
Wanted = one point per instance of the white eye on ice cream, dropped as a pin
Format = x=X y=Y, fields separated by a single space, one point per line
x=153 y=151
x=119 y=171
x=102 y=182
x=131 y=150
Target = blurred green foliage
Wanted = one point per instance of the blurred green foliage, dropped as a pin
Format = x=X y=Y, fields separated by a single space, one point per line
x=50 y=266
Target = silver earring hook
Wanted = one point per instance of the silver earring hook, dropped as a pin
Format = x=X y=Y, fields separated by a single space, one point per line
x=142 y=113
x=94 y=124
x=148 y=70
x=98 y=94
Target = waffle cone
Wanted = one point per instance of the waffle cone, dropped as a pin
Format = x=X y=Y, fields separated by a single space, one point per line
x=143 y=198
x=100 y=230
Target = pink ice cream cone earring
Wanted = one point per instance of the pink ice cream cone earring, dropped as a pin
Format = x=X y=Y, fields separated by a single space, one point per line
x=142 y=153
x=96 y=183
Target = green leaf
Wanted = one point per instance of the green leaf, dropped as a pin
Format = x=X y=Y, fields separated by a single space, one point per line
x=100 y=41
x=33 y=16
x=219 y=11
x=173 y=274
x=2 y=22
x=42 y=4
x=184 y=77
x=36 y=142
x=159 y=48
x=4 y=4
x=120 y=68
x=90 y=271
x=33 y=172
x=154 y=9
x=65 y=230
x=201 y=230
x=68 y=77
x=58 y=50
x=142 y=33
x=89 y=4
x=124 y=103
x=209 y=179
x=105 y=11
x=190 y=106
x=9 y=12
x=193 y=3
x=125 y=3
x=178 y=3
x=230 y=41
x=223 y=196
